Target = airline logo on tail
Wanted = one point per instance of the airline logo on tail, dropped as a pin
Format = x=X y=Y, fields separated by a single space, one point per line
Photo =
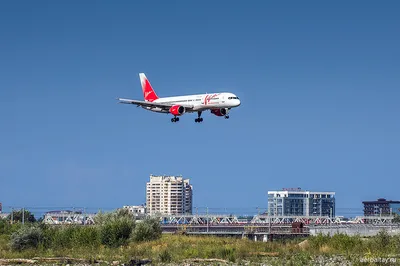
x=148 y=92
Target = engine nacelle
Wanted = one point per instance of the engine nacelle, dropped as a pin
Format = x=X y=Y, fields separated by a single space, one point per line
x=177 y=110
x=219 y=112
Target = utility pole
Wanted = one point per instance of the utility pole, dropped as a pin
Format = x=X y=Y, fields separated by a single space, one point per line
x=269 y=224
x=269 y=228
x=207 y=219
x=12 y=215
x=23 y=215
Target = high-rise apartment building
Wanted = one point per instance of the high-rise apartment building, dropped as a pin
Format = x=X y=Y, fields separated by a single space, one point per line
x=296 y=202
x=168 y=195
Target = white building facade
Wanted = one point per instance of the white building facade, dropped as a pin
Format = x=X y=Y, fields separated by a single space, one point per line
x=297 y=202
x=137 y=211
x=168 y=195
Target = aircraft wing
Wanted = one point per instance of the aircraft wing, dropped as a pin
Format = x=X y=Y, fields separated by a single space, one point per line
x=165 y=106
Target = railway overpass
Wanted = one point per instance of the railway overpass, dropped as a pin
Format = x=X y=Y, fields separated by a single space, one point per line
x=258 y=227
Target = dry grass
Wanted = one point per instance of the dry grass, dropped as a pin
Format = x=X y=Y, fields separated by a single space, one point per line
x=176 y=248
x=183 y=248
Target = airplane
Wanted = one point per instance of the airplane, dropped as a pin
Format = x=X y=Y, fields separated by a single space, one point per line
x=218 y=103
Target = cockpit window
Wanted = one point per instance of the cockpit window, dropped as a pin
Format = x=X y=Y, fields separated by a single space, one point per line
x=231 y=98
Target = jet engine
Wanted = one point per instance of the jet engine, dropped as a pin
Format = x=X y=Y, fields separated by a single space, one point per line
x=177 y=110
x=220 y=112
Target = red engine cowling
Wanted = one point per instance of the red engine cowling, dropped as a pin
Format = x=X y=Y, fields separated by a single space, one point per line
x=177 y=110
x=219 y=112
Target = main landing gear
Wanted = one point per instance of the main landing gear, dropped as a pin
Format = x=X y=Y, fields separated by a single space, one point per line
x=199 y=119
x=227 y=117
x=175 y=119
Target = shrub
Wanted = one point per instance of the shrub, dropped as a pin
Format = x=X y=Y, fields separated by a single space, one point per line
x=227 y=253
x=396 y=243
x=5 y=226
x=301 y=258
x=396 y=218
x=165 y=256
x=345 y=243
x=104 y=218
x=146 y=230
x=85 y=236
x=70 y=236
x=115 y=228
x=316 y=242
x=58 y=236
x=26 y=237
x=382 y=242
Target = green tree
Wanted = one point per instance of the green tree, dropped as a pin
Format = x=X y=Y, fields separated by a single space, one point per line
x=18 y=216
x=396 y=218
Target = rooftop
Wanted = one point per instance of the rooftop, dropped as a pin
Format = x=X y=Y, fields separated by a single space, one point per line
x=380 y=201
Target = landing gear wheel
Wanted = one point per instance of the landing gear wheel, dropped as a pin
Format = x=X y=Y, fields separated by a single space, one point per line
x=227 y=117
x=174 y=119
x=198 y=119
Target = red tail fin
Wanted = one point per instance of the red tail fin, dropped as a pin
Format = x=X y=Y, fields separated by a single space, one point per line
x=148 y=92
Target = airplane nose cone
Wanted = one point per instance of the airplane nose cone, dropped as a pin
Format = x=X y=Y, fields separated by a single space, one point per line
x=237 y=102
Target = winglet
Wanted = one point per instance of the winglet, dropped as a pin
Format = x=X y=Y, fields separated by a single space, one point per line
x=148 y=92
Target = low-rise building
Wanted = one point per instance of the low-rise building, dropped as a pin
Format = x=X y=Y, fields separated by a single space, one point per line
x=381 y=207
x=137 y=211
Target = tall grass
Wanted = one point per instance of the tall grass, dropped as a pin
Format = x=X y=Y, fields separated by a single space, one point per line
x=382 y=244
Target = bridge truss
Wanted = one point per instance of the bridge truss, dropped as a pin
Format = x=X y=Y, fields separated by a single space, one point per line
x=66 y=217
x=265 y=219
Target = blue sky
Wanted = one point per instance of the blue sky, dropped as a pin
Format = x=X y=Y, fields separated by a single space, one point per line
x=319 y=85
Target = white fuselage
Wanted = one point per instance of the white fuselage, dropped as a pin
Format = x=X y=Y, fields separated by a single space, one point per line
x=200 y=102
